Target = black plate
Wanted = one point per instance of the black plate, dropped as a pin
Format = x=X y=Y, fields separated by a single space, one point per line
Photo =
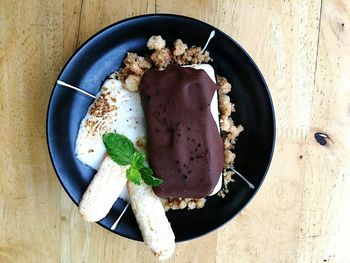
x=102 y=54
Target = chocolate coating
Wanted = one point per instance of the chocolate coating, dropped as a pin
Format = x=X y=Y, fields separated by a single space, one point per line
x=184 y=145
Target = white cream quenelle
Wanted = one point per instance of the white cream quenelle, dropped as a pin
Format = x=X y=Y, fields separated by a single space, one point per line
x=114 y=110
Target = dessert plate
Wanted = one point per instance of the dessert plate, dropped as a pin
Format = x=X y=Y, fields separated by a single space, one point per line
x=102 y=54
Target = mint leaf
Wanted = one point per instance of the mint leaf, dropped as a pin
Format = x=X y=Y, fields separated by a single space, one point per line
x=146 y=171
x=138 y=160
x=148 y=178
x=118 y=147
x=133 y=175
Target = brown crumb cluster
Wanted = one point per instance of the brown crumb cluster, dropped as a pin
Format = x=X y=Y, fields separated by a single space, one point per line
x=141 y=143
x=229 y=131
x=155 y=43
x=161 y=58
x=101 y=106
x=182 y=203
x=192 y=55
x=180 y=54
x=131 y=74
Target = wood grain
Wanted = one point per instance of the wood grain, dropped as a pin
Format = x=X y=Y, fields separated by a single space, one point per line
x=301 y=212
x=32 y=52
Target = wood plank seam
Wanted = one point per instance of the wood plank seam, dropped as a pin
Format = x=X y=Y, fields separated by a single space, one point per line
x=79 y=21
x=318 y=42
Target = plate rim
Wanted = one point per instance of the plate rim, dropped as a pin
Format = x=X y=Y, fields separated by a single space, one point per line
x=258 y=71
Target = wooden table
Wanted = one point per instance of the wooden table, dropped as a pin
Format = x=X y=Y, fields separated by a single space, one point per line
x=301 y=213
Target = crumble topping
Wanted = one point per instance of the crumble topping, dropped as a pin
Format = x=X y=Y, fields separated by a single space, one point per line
x=193 y=55
x=131 y=74
x=179 y=47
x=101 y=106
x=181 y=203
x=155 y=42
x=132 y=82
x=161 y=57
x=136 y=64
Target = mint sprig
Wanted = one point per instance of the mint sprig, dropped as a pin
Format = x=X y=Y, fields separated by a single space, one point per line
x=122 y=151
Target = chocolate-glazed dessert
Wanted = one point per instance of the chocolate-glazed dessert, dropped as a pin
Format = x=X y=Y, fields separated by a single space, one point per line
x=185 y=148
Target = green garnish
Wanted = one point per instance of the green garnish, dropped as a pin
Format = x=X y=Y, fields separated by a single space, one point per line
x=122 y=151
x=148 y=178
x=119 y=148
x=133 y=175
x=138 y=160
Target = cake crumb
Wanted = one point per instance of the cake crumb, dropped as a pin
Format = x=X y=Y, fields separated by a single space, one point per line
x=226 y=123
x=161 y=57
x=179 y=47
x=141 y=143
x=191 y=205
x=192 y=55
x=137 y=64
x=229 y=157
x=227 y=176
x=182 y=203
x=225 y=87
x=156 y=42
x=130 y=75
x=225 y=108
x=132 y=83
x=235 y=131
